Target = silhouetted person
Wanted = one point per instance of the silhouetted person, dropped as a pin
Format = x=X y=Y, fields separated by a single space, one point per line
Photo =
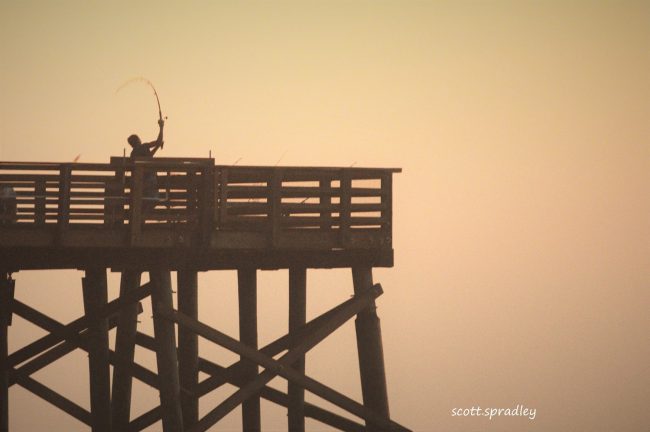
x=150 y=193
x=146 y=149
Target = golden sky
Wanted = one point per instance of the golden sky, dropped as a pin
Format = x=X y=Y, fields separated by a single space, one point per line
x=522 y=217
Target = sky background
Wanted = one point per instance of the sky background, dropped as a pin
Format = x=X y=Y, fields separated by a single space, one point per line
x=522 y=228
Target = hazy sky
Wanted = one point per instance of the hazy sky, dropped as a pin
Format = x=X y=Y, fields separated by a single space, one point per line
x=522 y=217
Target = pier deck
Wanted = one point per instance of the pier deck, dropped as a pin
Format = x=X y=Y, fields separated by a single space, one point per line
x=190 y=211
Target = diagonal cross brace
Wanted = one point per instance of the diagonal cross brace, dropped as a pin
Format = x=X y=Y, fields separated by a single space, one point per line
x=69 y=345
x=229 y=375
x=55 y=399
x=274 y=348
x=282 y=366
x=76 y=326
x=280 y=398
x=343 y=313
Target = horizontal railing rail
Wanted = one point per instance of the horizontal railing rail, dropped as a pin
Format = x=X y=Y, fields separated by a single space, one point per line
x=198 y=196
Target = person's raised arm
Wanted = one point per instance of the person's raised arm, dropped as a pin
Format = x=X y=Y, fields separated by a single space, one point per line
x=154 y=146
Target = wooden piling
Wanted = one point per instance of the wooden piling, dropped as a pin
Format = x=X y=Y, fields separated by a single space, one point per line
x=297 y=318
x=95 y=295
x=371 y=354
x=188 y=347
x=6 y=295
x=166 y=356
x=127 y=328
x=247 y=280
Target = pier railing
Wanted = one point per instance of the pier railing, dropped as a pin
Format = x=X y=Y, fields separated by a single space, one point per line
x=169 y=201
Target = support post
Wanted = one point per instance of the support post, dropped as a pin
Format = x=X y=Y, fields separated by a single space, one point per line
x=188 y=347
x=166 y=356
x=95 y=294
x=6 y=297
x=371 y=354
x=127 y=328
x=247 y=280
x=297 y=318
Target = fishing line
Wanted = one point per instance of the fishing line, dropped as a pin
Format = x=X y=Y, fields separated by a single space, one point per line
x=150 y=84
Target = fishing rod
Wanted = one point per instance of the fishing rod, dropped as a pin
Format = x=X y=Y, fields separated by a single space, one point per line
x=150 y=84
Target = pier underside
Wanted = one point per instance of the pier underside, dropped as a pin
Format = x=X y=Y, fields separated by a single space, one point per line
x=199 y=217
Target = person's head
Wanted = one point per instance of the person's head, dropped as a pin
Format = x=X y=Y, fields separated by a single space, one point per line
x=134 y=141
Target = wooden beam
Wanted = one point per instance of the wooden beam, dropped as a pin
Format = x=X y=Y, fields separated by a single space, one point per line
x=55 y=399
x=345 y=214
x=188 y=346
x=6 y=298
x=50 y=356
x=124 y=350
x=63 y=213
x=272 y=349
x=280 y=398
x=371 y=355
x=166 y=355
x=74 y=327
x=135 y=206
x=95 y=295
x=281 y=367
x=230 y=249
x=275 y=206
x=297 y=318
x=145 y=420
x=247 y=280
x=387 y=207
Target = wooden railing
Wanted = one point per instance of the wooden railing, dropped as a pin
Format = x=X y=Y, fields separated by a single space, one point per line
x=199 y=197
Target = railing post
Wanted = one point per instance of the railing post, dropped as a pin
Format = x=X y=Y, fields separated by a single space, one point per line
x=275 y=209
x=221 y=209
x=325 y=201
x=345 y=205
x=135 y=219
x=39 y=202
x=207 y=204
x=190 y=204
x=64 y=201
x=387 y=208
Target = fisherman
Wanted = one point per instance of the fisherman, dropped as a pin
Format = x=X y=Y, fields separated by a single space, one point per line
x=149 y=179
x=147 y=149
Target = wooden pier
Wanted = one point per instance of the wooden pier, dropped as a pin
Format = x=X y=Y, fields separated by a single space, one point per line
x=187 y=216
